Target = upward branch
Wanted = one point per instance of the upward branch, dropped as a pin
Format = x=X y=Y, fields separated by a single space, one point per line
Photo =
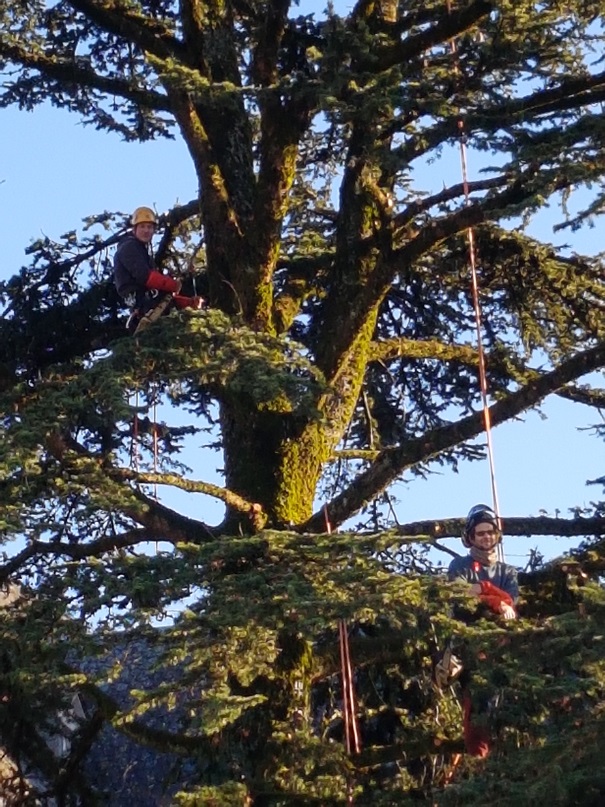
x=146 y=32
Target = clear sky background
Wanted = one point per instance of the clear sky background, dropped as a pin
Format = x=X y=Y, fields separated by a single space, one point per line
x=54 y=171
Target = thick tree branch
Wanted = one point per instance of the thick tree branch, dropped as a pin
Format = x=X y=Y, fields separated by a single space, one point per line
x=264 y=67
x=448 y=27
x=512 y=526
x=588 y=397
x=388 y=349
x=407 y=216
x=69 y=72
x=159 y=739
x=392 y=462
x=191 y=485
x=571 y=93
x=146 y=32
x=165 y=524
x=489 y=208
x=579 y=92
x=93 y=549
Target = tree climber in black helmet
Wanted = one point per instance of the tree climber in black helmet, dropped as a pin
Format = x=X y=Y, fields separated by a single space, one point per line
x=138 y=282
x=493 y=581
x=495 y=584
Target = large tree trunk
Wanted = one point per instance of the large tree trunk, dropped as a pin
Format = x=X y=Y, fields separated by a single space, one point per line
x=273 y=461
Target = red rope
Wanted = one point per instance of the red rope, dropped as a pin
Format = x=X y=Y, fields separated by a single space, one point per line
x=349 y=707
x=352 y=737
x=155 y=446
x=134 y=451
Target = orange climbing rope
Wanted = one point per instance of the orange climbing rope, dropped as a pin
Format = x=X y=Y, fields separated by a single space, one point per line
x=155 y=444
x=134 y=449
x=472 y=257
x=352 y=738
x=349 y=708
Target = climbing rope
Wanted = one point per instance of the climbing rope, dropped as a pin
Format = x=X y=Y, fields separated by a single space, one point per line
x=349 y=707
x=352 y=738
x=154 y=427
x=134 y=449
x=472 y=259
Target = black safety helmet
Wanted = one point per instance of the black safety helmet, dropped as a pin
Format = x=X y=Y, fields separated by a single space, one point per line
x=479 y=514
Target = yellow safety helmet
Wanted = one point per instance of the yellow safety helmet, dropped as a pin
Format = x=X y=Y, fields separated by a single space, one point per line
x=143 y=215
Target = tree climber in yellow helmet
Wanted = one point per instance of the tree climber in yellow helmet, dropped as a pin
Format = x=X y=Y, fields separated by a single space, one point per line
x=136 y=279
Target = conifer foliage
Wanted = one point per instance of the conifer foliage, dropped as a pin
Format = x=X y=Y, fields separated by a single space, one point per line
x=336 y=355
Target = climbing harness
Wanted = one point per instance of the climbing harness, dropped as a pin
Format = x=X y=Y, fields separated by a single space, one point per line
x=152 y=315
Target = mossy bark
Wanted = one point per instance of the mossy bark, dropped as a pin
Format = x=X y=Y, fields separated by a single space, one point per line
x=275 y=459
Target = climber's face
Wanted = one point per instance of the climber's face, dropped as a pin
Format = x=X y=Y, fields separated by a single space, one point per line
x=144 y=232
x=485 y=535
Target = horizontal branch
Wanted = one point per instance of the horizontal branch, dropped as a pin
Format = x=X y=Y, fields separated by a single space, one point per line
x=588 y=397
x=513 y=527
x=163 y=523
x=72 y=72
x=231 y=499
x=138 y=730
x=73 y=551
x=567 y=96
x=488 y=208
x=354 y=454
x=385 y=350
x=458 y=191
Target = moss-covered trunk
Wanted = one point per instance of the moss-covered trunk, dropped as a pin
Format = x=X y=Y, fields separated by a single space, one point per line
x=272 y=461
x=275 y=459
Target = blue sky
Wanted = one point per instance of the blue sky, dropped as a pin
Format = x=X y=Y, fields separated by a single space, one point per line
x=55 y=171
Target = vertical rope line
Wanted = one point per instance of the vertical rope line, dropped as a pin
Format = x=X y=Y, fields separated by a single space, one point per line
x=351 y=700
x=134 y=451
x=345 y=688
x=155 y=454
x=155 y=444
x=352 y=736
x=472 y=252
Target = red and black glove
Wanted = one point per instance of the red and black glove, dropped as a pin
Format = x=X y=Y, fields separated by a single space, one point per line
x=493 y=596
x=160 y=282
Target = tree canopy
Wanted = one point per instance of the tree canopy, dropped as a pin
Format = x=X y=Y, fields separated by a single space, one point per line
x=338 y=352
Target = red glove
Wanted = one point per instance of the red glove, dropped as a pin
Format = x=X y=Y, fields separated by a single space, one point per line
x=493 y=596
x=160 y=282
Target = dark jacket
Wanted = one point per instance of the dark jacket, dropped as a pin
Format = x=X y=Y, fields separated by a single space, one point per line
x=132 y=266
x=500 y=574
